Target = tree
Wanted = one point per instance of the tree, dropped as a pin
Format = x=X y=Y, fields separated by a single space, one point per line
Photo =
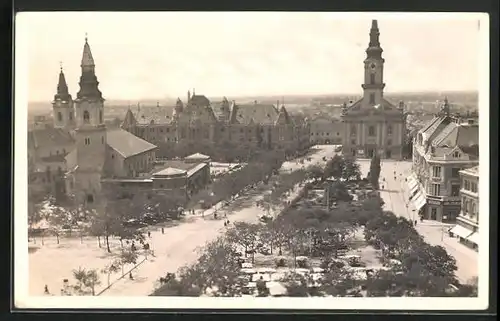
x=127 y=257
x=315 y=172
x=245 y=235
x=374 y=174
x=111 y=268
x=215 y=273
x=337 y=191
x=351 y=169
x=335 y=167
x=87 y=280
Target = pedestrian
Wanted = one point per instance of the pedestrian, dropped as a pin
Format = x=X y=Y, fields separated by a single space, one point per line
x=225 y=223
x=46 y=289
x=162 y=230
x=149 y=234
x=130 y=275
x=415 y=222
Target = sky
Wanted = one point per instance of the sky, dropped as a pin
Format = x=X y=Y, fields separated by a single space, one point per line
x=158 y=55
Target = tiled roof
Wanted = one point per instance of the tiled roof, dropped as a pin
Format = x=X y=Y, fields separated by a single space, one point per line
x=179 y=164
x=435 y=127
x=127 y=144
x=200 y=100
x=46 y=137
x=461 y=135
x=264 y=114
x=159 y=115
x=197 y=156
x=283 y=117
x=170 y=171
x=129 y=119
x=385 y=106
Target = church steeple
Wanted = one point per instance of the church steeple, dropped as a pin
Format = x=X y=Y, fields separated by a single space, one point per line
x=62 y=106
x=373 y=84
x=62 y=88
x=374 y=50
x=88 y=81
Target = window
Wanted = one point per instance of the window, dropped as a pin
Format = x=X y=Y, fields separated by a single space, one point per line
x=87 y=141
x=456 y=154
x=241 y=130
x=353 y=142
x=454 y=172
x=433 y=213
x=70 y=116
x=57 y=152
x=59 y=116
x=338 y=134
x=473 y=209
x=90 y=198
x=436 y=189
x=473 y=187
x=112 y=156
x=372 y=79
x=100 y=116
x=371 y=131
x=372 y=99
x=389 y=142
x=64 y=150
x=389 y=130
x=436 y=171
x=86 y=117
x=353 y=130
x=466 y=185
x=455 y=189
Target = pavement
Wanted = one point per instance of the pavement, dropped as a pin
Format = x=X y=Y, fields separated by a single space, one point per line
x=395 y=195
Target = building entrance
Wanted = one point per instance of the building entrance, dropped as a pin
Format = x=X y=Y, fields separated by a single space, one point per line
x=388 y=154
x=370 y=153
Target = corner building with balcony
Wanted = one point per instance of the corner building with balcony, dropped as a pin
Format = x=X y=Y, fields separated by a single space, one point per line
x=446 y=145
x=372 y=124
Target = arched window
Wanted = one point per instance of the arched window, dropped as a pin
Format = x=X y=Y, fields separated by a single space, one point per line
x=473 y=209
x=371 y=131
x=86 y=117
x=59 y=116
x=372 y=79
x=389 y=130
x=100 y=116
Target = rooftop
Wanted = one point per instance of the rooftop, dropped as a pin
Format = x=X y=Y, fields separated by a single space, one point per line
x=49 y=137
x=127 y=144
x=197 y=156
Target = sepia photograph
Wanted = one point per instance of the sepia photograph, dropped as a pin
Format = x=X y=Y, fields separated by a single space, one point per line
x=262 y=160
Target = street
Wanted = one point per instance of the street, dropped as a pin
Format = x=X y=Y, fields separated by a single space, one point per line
x=395 y=195
x=172 y=250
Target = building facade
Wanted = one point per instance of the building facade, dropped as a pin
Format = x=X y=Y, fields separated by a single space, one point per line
x=372 y=124
x=467 y=228
x=442 y=148
x=326 y=131
x=198 y=123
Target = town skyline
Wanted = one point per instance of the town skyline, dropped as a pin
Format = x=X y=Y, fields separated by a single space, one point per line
x=248 y=60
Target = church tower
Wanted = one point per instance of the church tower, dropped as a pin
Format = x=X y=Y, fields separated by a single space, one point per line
x=373 y=85
x=62 y=105
x=90 y=129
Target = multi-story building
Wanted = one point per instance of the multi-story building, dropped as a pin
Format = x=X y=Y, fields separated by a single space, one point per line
x=372 y=124
x=467 y=228
x=79 y=152
x=444 y=146
x=199 y=124
x=325 y=131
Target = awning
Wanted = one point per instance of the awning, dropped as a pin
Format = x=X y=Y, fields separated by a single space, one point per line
x=412 y=184
x=419 y=201
x=474 y=238
x=460 y=231
x=414 y=190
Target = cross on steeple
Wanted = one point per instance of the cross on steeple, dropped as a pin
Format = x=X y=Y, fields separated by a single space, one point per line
x=86 y=36
x=60 y=65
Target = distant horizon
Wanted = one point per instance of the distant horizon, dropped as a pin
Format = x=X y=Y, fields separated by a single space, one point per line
x=347 y=95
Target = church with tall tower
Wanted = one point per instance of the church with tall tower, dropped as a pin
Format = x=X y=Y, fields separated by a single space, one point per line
x=372 y=125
